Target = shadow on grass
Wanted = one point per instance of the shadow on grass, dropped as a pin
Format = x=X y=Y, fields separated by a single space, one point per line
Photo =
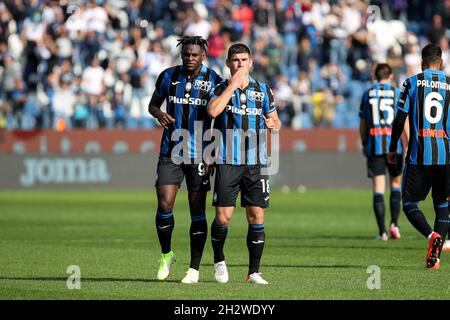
x=321 y=266
x=340 y=246
x=322 y=237
x=83 y=279
x=338 y=237
x=364 y=242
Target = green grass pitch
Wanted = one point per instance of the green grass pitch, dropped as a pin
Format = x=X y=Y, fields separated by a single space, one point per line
x=319 y=245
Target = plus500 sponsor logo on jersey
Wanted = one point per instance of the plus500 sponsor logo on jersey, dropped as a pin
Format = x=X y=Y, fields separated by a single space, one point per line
x=244 y=111
x=194 y=101
x=69 y=171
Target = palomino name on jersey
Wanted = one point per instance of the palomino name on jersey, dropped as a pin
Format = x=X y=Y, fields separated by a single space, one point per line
x=433 y=84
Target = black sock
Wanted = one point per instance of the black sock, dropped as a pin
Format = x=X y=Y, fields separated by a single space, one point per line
x=255 y=244
x=442 y=220
x=198 y=233
x=164 y=226
x=417 y=218
x=218 y=236
x=395 y=201
x=379 y=209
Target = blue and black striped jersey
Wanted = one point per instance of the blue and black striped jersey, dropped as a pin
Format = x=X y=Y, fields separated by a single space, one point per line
x=378 y=109
x=425 y=98
x=242 y=126
x=186 y=102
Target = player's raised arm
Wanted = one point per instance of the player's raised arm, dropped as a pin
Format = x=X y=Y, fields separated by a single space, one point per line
x=217 y=105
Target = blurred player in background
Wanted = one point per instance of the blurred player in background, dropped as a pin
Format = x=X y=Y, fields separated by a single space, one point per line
x=376 y=116
x=241 y=104
x=186 y=91
x=425 y=101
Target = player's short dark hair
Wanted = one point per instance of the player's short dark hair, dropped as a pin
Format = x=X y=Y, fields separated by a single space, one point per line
x=382 y=71
x=431 y=53
x=196 y=40
x=238 y=48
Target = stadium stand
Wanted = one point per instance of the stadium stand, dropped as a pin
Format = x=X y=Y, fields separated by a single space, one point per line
x=93 y=64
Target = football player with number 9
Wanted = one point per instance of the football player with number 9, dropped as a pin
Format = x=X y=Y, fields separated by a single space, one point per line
x=185 y=88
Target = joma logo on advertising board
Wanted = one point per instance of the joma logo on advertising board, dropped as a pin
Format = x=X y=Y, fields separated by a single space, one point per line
x=72 y=171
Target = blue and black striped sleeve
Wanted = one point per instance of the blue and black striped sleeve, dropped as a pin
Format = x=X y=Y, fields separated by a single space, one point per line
x=362 y=109
x=269 y=102
x=217 y=79
x=403 y=101
x=402 y=109
x=217 y=91
x=397 y=129
x=397 y=98
x=161 y=85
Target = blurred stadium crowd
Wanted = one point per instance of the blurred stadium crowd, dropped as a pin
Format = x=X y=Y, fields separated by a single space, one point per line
x=93 y=64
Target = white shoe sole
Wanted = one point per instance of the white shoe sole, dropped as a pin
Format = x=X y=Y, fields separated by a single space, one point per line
x=189 y=281
x=220 y=280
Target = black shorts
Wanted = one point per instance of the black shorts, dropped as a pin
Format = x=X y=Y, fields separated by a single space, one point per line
x=169 y=173
x=419 y=179
x=230 y=180
x=376 y=166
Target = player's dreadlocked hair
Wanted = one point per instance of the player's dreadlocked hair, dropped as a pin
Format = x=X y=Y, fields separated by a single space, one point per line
x=193 y=40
